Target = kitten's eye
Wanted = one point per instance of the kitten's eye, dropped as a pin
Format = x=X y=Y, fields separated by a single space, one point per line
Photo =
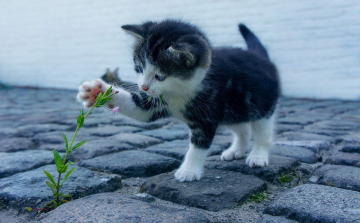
x=159 y=78
x=139 y=69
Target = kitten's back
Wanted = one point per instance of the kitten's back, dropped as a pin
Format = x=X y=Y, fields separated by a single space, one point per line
x=114 y=79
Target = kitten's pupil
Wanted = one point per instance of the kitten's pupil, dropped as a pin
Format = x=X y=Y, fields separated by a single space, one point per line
x=139 y=69
x=159 y=78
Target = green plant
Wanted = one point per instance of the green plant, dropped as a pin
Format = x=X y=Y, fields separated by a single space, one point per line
x=286 y=178
x=258 y=197
x=161 y=98
x=62 y=165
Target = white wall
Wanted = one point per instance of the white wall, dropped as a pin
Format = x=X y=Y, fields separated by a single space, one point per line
x=48 y=43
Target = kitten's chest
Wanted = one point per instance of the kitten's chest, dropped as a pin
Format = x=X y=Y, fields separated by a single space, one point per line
x=177 y=107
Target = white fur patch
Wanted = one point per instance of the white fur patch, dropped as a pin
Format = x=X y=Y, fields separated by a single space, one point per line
x=242 y=135
x=262 y=134
x=147 y=77
x=178 y=92
x=192 y=167
x=123 y=99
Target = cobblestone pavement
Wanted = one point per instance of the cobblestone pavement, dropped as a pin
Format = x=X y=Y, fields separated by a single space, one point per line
x=124 y=173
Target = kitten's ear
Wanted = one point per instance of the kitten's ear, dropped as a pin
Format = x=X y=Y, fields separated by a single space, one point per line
x=183 y=53
x=116 y=71
x=135 y=30
x=139 y=31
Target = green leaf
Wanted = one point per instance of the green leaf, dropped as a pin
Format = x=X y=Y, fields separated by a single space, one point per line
x=108 y=91
x=69 y=163
x=67 y=195
x=104 y=100
x=66 y=176
x=80 y=120
x=99 y=97
x=78 y=145
x=66 y=141
x=149 y=98
x=28 y=209
x=50 y=177
x=52 y=187
x=58 y=195
x=58 y=161
x=161 y=99
x=64 y=167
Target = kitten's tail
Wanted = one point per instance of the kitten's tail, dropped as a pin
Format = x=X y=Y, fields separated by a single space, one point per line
x=252 y=42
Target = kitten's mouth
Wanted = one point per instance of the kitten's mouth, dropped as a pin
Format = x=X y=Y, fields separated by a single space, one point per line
x=154 y=93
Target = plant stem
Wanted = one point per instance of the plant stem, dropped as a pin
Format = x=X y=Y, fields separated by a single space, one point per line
x=73 y=138
x=89 y=111
x=58 y=187
x=67 y=153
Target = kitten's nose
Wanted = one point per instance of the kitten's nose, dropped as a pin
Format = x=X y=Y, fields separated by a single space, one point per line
x=144 y=87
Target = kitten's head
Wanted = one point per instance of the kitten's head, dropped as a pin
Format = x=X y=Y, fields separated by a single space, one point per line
x=111 y=77
x=171 y=57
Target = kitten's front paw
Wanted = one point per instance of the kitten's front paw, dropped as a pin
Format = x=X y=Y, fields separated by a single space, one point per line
x=183 y=174
x=89 y=91
x=258 y=159
x=231 y=154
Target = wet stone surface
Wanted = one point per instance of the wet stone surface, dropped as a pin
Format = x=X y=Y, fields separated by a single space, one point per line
x=12 y=163
x=117 y=207
x=137 y=140
x=346 y=177
x=28 y=188
x=347 y=159
x=166 y=135
x=17 y=144
x=313 y=174
x=351 y=149
x=32 y=129
x=110 y=130
x=215 y=191
x=57 y=138
x=132 y=163
x=313 y=145
x=298 y=153
x=60 y=147
x=274 y=219
x=178 y=152
x=303 y=136
x=98 y=147
x=317 y=203
x=278 y=165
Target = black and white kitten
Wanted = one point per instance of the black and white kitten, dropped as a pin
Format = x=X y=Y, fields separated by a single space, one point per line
x=203 y=87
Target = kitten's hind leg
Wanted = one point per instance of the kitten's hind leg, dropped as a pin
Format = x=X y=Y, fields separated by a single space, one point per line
x=262 y=133
x=242 y=135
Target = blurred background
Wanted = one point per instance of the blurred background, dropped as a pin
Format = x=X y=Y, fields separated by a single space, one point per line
x=59 y=44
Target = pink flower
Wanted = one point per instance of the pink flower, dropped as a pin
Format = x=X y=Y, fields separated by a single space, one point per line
x=115 y=110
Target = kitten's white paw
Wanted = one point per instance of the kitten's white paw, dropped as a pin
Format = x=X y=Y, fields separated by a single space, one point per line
x=89 y=91
x=258 y=159
x=183 y=174
x=231 y=154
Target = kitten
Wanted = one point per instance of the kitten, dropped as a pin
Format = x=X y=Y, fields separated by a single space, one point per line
x=203 y=87
x=114 y=79
x=111 y=77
